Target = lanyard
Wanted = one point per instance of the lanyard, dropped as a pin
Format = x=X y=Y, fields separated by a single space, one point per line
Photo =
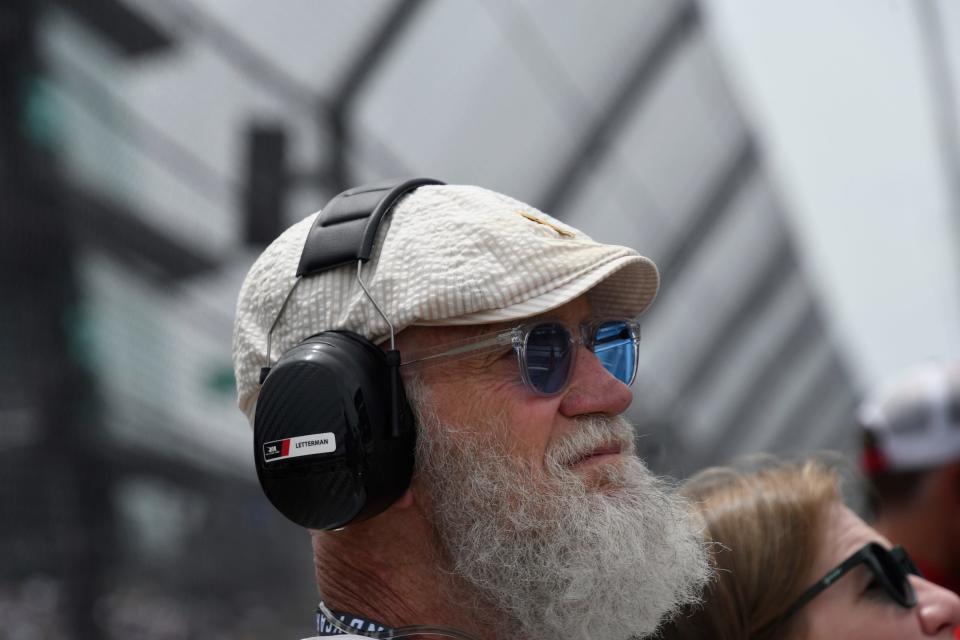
x=361 y=624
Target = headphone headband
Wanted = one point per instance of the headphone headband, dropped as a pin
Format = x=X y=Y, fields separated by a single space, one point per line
x=334 y=436
x=346 y=228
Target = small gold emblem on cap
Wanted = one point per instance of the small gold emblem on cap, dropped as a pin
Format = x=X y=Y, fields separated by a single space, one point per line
x=529 y=216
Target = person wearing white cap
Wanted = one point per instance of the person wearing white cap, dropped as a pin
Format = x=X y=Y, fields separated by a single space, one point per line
x=911 y=458
x=524 y=512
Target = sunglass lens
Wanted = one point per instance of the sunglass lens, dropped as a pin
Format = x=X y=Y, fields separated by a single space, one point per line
x=616 y=348
x=906 y=563
x=548 y=354
x=897 y=566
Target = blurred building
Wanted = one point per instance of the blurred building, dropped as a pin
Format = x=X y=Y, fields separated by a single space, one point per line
x=149 y=150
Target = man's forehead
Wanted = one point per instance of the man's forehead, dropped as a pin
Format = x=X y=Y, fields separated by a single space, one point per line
x=573 y=312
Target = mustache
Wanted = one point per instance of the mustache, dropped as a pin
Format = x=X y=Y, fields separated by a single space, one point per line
x=592 y=434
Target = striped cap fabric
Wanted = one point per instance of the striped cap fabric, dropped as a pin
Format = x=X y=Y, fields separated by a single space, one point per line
x=446 y=255
x=913 y=421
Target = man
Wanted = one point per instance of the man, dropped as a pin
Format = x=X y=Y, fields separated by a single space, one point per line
x=911 y=457
x=528 y=515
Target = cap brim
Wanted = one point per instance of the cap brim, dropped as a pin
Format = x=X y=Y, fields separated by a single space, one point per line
x=622 y=287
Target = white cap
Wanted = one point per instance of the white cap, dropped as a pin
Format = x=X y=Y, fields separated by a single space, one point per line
x=446 y=255
x=914 y=421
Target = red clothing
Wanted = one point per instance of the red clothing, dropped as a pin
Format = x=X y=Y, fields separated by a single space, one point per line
x=937 y=576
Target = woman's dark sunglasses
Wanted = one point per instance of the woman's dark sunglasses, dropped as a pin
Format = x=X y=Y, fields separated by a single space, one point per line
x=891 y=570
x=547 y=350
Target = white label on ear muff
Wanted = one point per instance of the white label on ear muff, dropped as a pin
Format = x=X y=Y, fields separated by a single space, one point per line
x=299 y=446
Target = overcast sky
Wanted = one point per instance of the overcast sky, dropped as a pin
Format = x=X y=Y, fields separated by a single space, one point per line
x=840 y=95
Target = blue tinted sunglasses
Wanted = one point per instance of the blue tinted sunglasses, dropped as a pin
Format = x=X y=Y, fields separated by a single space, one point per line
x=547 y=350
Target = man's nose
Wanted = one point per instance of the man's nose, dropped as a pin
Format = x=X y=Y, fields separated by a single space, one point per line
x=938 y=608
x=593 y=389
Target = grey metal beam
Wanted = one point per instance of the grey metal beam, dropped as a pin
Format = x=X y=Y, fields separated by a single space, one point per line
x=131 y=461
x=355 y=76
x=714 y=206
x=99 y=100
x=833 y=380
x=767 y=377
x=126 y=236
x=647 y=68
x=121 y=25
x=52 y=386
x=711 y=210
x=378 y=44
x=768 y=280
x=242 y=55
x=19 y=66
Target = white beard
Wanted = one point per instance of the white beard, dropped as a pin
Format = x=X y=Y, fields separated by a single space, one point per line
x=553 y=555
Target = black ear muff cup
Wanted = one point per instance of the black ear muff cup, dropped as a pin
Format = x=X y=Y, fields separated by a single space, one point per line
x=326 y=451
x=333 y=435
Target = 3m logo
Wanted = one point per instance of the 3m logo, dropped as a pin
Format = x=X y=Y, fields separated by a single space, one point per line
x=311 y=445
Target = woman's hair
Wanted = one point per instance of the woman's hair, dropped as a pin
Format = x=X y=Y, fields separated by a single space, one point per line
x=767 y=525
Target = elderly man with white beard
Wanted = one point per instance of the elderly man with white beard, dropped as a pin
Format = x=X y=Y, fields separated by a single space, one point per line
x=472 y=471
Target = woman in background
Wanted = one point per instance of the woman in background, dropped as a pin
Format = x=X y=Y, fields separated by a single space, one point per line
x=793 y=562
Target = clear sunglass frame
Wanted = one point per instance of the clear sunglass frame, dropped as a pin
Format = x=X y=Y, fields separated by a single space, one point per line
x=517 y=337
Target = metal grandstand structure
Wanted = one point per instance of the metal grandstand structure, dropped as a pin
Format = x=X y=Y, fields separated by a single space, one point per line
x=148 y=150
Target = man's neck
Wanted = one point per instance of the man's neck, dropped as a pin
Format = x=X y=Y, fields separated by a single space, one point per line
x=397 y=581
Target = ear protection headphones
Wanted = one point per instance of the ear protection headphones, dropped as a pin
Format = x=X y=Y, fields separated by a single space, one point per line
x=333 y=434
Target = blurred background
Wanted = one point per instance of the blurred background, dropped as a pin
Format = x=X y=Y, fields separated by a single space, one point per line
x=793 y=169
